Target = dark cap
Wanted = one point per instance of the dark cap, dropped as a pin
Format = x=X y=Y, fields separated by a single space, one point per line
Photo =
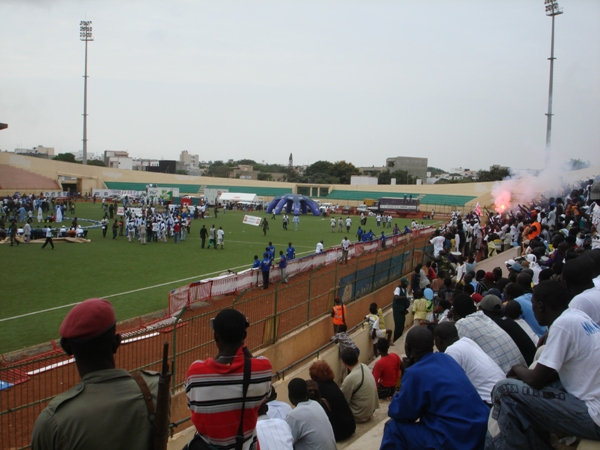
x=489 y=276
x=490 y=303
x=230 y=325
x=88 y=320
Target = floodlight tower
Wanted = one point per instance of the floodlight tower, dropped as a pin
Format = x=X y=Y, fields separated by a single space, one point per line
x=85 y=34
x=552 y=10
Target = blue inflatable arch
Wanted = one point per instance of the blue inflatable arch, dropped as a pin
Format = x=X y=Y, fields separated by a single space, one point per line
x=293 y=204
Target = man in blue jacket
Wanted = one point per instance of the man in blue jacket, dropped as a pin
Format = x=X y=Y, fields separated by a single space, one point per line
x=450 y=412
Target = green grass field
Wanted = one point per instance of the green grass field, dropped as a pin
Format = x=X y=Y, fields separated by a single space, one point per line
x=39 y=286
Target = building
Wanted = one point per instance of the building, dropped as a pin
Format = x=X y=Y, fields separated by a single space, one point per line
x=39 y=151
x=190 y=161
x=361 y=180
x=417 y=167
x=118 y=159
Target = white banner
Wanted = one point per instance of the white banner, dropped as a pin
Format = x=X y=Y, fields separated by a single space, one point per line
x=252 y=220
x=56 y=194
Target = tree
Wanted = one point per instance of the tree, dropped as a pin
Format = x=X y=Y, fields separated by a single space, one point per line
x=344 y=171
x=319 y=167
x=401 y=176
x=496 y=173
x=435 y=171
x=181 y=172
x=219 y=169
x=264 y=176
x=245 y=162
x=96 y=162
x=65 y=157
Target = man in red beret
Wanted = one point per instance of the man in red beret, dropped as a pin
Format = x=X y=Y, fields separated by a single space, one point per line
x=106 y=410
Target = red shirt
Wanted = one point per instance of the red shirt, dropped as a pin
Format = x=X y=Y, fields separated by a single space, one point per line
x=387 y=370
x=214 y=396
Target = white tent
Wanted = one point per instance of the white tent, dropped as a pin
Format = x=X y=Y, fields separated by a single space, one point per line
x=237 y=197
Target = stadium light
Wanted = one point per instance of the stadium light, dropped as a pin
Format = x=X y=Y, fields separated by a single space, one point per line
x=552 y=10
x=85 y=34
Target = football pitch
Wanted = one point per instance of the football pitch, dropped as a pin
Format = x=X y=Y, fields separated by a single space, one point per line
x=39 y=286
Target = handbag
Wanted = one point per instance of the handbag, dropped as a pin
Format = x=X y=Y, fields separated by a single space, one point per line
x=197 y=443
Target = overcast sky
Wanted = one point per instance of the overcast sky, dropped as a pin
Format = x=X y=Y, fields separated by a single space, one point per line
x=460 y=82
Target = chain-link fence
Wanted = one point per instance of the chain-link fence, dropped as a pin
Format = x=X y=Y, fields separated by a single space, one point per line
x=273 y=314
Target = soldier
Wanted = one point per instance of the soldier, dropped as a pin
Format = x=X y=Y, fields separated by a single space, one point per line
x=107 y=408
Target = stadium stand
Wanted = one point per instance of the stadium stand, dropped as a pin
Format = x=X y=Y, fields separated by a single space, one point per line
x=23 y=180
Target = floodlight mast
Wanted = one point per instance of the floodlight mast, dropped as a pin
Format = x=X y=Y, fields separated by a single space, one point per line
x=552 y=10
x=85 y=34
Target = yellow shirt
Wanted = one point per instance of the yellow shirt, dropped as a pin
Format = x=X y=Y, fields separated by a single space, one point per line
x=420 y=308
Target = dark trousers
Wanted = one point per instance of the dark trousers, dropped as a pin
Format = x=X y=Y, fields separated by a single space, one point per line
x=48 y=241
x=265 y=276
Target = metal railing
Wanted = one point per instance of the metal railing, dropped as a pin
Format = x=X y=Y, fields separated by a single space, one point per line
x=273 y=314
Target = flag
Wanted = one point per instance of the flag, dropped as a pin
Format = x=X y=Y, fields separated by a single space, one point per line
x=477 y=210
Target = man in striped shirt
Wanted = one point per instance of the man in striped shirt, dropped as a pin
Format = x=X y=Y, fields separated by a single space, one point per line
x=214 y=387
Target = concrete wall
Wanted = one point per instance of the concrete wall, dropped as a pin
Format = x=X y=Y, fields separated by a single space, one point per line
x=93 y=177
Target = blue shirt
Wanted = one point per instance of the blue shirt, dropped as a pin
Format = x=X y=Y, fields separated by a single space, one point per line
x=528 y=316
x=448 y=406
x=265 y=264
x=283 y=262
x=290 y=252
x=256 y=264
x=271 y=249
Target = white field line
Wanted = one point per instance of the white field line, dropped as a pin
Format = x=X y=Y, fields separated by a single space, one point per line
x=197 y=277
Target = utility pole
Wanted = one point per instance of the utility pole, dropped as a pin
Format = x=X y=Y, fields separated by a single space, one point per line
x=552 y=10
x=85 y=34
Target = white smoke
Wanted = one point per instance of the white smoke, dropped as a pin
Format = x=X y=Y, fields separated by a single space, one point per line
x=524 y=186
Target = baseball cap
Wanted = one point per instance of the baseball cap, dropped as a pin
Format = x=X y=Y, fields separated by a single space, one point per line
x=490 y=303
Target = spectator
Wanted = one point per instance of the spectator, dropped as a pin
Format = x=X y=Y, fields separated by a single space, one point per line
x=524 y=299
x=490 y=337
x=340 y=417
x=578 y=275
x=344 y=340
x=338 y=314
x=419 y=308
x=445 y=413
x=400 y=307
x=359 y=388
x=273 y=433
x=265 y=268
x=491 y=306
x=215 y=406
x=386 y=370
x=481 y=370
x=559 y=395
x=277 y=409
x=376 y=332
x=308 y=421
x=513 y=310
x=71 y=419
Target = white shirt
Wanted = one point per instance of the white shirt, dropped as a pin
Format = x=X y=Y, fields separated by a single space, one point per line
x=572 y=339
x=345 y=244
x=527 y=329
x=278 y=410
x=438 y=245
x=588 y=302
x=481 y=370
x=274 y=434
x=319 y=248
